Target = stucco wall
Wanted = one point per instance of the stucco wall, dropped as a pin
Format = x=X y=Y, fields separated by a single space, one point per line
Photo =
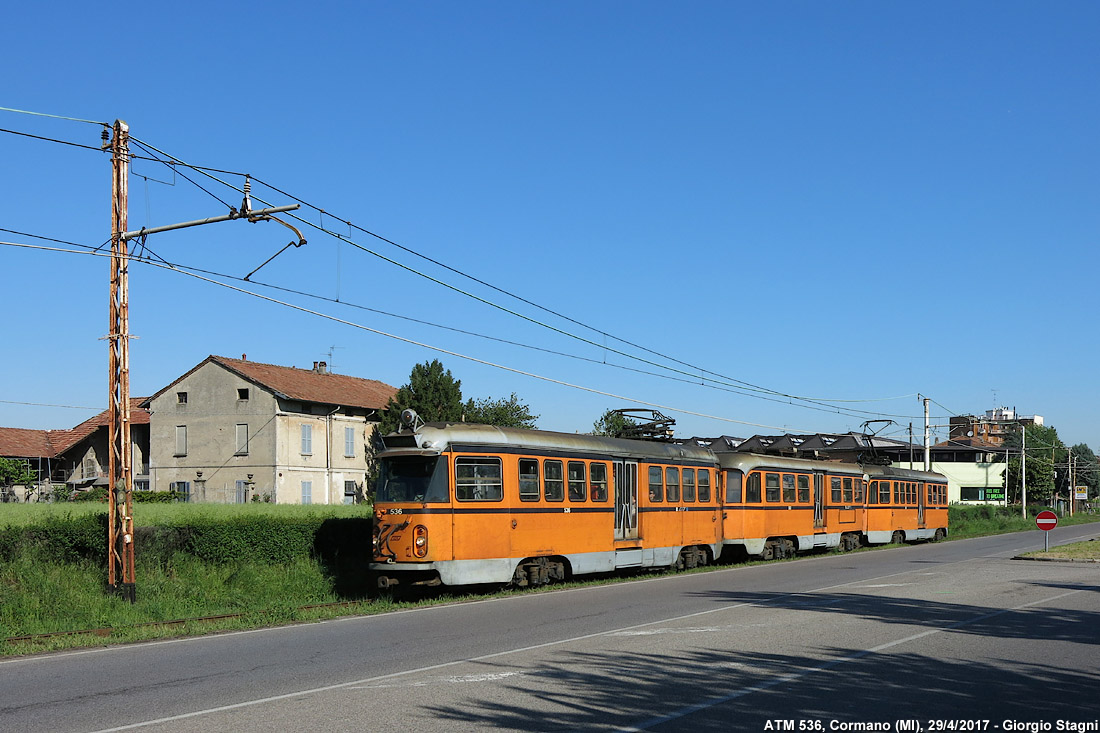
x=325 y=466
x=211 y=415
x=964 y=474
x=278 y=466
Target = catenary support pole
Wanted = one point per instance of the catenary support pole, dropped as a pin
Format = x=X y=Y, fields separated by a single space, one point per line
x=927 y=436
x=1023 y=470
x=120 y=521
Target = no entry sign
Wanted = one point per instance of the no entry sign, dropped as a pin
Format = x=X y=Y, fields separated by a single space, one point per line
x=1046 y=520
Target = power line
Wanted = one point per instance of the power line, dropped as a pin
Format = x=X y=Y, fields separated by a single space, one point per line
x=192 y=270
x=743 y=384
x=43 y=404
x=56 y=117
x=450 y=352
x=737 y=386
x=51 y=140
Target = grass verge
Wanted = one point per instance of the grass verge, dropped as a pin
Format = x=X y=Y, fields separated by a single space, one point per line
x=1089 y=550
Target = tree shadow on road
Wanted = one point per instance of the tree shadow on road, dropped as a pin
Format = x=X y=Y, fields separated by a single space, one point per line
x=729 y=689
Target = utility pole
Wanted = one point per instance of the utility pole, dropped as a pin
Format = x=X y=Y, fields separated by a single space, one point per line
x=927 y=445
x=1023 y=470
x=120 y=494
x=120 y=475
x=1072 y=482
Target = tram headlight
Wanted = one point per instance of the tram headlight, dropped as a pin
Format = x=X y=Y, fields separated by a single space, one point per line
x=420 y=540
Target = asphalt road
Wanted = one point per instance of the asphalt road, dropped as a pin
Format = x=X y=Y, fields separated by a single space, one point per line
x=934 y=633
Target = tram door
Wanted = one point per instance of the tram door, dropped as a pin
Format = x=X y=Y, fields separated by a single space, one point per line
x=922 y=493
x=626 y=500
x=819 y=500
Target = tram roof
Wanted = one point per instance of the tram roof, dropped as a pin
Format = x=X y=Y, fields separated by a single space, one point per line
x=437 y=437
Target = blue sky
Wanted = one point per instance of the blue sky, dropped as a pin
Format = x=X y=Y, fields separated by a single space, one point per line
x=844 y=201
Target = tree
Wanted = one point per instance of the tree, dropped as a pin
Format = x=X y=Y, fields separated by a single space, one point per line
x=15 y=472
x=509 y=413
x=1044 y=451
x=1087 y=470
x=432 y=392
x=612 y=424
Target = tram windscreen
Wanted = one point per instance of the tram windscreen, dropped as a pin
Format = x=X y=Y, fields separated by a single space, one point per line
x=413 y=478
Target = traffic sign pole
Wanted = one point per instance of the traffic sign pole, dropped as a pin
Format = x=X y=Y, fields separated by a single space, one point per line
x=1046 y=521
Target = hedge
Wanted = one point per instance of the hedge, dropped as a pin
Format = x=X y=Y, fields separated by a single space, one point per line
x=263 y=538
x=99 y=493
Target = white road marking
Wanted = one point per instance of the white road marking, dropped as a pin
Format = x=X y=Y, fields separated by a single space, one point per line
x=457 y=680
x=692 y=630
x=885 y=585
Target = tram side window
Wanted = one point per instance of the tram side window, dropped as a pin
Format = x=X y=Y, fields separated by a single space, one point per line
x=553 y=481
x=804 y=489
x=704 y=485
x=528 y=479
x=598 y=476
x=771 y=486
x=872 y=492
x=911 y=493
x=847 y=491
x=883 y=492
x=672 y=483
x=788 y=488
x=656 y=485
x=859 y=491
x=834 y=489
x=898 y=499
x=733 y=486
x=752 y=488
x=478 y=479
x=578 y=487
x=689 y=484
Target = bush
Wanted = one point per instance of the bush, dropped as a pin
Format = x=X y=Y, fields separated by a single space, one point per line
x=61 y=538
x=99 y=493
x=217 y=535
x=252 y=538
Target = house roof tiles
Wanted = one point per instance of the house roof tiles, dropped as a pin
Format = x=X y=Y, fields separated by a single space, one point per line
x=25 y=443
x=309 y=385
x=306 y=385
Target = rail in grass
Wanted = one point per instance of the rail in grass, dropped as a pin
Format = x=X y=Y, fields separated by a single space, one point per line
x=463 y=504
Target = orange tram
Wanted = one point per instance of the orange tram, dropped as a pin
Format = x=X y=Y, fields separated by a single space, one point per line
x=462 y=504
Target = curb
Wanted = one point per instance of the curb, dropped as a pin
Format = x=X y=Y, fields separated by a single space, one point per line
x=1056 y=559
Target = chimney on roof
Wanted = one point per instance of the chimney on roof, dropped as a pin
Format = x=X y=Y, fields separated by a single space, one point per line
x=320 y=367
x=244 y=357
